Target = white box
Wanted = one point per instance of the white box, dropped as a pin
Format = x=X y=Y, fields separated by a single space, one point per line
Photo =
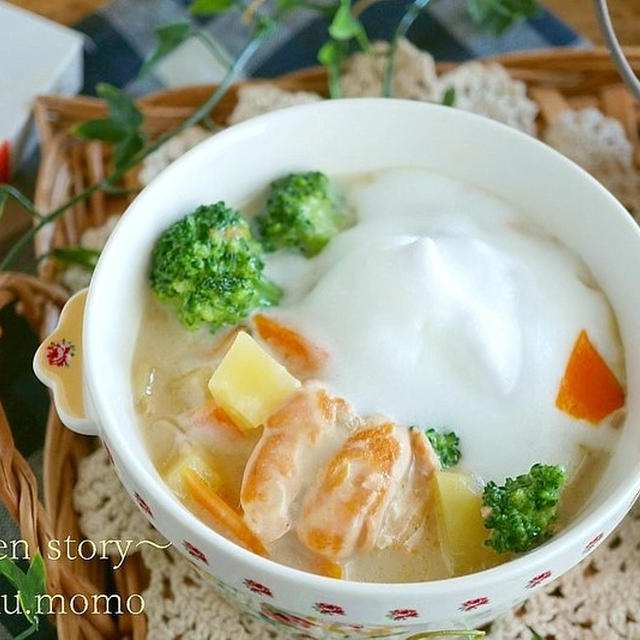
x=37 y=56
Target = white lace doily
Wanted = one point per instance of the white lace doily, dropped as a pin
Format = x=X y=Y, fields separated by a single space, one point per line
x=597 y=600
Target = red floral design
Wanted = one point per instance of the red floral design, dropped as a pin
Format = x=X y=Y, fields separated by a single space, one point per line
x=258 y=588
x=272 y=614
x=402 y=614
x=59 y=353
x=593 y=542
x=329 y=609
x=474 y=603
x=539 y=579
x=142 y=503
x=195 y=552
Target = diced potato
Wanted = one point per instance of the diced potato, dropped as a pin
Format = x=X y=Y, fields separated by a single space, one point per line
x=460 y=524
x=249 y=384
x=196 y=460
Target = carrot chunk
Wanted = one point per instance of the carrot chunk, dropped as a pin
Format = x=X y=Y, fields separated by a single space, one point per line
x=226 y=521
x=589 y=389
x=299 y=355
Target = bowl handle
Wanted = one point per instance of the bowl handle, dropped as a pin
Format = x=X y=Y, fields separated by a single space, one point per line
x=58 y=365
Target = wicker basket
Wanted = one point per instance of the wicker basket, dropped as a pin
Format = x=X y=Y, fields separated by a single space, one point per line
x=556 y=79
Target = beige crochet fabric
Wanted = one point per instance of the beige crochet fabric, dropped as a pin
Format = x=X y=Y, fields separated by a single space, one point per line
x=414 y=73
x=598 y=600
x=75 y=277
x=254 y=100
x=154 y=163
x=488 y=90
x=599 y=145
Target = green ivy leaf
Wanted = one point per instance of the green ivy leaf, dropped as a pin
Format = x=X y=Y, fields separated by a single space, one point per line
x=33 y=587
x=330 y=53
x=12 y=572
x=99 y=129
x=168 y=38
x=499 y=15
x=29 y=586
x=76 y=255
x=122 y=127
x=127 y=148
x=345 y=26
x=449 y=97
x=122 y=110
x=207 y=7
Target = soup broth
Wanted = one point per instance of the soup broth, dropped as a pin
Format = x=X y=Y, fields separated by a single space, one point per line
x=443 y=306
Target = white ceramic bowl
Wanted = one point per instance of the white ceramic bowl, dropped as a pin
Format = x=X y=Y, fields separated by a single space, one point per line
x=337 y=137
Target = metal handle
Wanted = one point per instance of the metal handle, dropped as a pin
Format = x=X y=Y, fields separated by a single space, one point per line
x=611 y=40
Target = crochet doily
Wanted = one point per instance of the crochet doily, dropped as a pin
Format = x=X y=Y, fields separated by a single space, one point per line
x=154 y=163
x=75 y=277
x=486 y=89
x=414 y=74
x=254 y=100
x=597 y=600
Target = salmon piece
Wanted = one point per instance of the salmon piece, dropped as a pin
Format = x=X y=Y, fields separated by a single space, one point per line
x=405 y=518
x=345 y=508
x=295 y=441
x=300 y=356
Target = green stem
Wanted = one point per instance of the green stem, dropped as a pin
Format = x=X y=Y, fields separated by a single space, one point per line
x=12 y=192
x=334 y=68
x=200 y=113
x=22 y=241
x=121 y=191
x=212 y=46
x=412 y=12
x=333 y=78
x=203 y=110
x=26 y=633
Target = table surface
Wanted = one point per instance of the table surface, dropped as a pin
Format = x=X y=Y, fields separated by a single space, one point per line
x=578 y=13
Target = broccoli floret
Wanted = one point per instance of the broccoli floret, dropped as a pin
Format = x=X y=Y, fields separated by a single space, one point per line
x=520 y=514
x=446 y=445
x=302 y=213
x=208 y=266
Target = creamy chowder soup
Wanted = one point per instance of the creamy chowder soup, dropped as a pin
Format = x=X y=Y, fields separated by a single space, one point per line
x=440 y=307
